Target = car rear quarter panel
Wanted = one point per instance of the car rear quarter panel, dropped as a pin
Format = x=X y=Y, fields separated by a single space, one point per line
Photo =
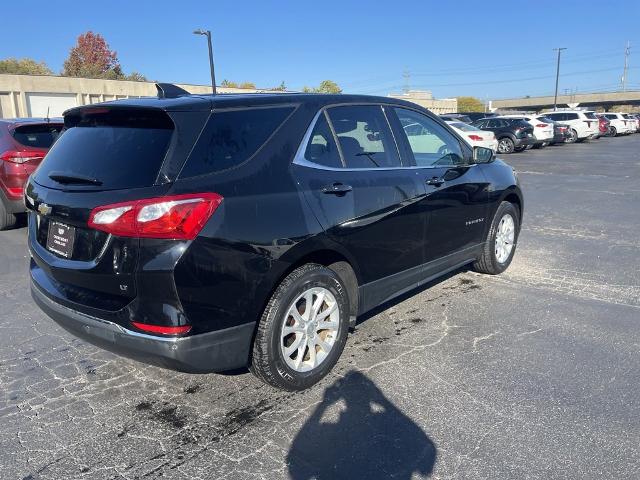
x=227 y=274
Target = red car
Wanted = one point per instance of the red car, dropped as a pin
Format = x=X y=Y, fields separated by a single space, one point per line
x=23 y=144
x=603 y=125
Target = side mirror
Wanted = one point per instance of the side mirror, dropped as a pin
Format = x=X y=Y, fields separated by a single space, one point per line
x=483 y=155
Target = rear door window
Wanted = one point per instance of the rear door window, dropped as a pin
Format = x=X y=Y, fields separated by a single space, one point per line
x=37 y=136
x=234 y=136
x=572 y=116
x=118 y=148
x=434 y=145
x=364 y=136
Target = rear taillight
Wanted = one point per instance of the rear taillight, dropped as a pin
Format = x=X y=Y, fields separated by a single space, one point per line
x=161 y=329
x=177 y=217
x=542 y=125
x=15 y=192
x=21 y=156
x=475 y=138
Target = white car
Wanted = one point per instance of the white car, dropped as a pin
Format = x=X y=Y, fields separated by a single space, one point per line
x=635 y=120
x=474 y=136
x=619 y=124
x=541 y=130
x=583 y=123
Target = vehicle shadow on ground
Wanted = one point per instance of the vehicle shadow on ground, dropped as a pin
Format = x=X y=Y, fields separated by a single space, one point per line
x=356 y=432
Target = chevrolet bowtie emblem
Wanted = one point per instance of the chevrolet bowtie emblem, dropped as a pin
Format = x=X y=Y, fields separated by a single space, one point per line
x=44 y=209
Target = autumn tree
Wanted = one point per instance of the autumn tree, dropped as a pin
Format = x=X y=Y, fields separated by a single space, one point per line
x=91 y=57
x=229 y=84
x=248 y=85
x=470 y=104
x=24 y=66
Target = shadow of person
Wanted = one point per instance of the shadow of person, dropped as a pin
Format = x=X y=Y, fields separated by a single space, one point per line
x=356 y=432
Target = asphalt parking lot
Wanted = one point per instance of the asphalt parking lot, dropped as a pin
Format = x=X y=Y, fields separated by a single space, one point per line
x=531 y=374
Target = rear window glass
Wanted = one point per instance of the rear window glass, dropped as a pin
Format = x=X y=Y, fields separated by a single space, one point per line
x=37 y=136
x=590 y=115
x=121 y=148
x=234 y=136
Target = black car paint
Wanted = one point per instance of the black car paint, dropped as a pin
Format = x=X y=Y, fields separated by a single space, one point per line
x=393 y=230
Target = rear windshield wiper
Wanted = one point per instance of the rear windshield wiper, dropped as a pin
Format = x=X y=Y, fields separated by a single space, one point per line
x=73 y=178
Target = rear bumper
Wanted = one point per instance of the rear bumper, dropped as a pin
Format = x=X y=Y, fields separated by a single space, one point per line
x=215 y=351
x=522 y=142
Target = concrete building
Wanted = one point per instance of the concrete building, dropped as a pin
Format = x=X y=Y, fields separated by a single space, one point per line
x=424 y=98
x=33 y=95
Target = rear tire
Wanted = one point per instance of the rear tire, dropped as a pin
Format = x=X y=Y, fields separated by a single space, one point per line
x=573 y=136
x=502 y=236
x=613 y=132
x=286 y=360
x=7 y=220
x=505 y=145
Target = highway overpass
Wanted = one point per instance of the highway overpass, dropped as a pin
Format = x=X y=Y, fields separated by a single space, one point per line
x=605 y=100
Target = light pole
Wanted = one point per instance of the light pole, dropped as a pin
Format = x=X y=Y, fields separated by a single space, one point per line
x=213 y=75
x=555 y=99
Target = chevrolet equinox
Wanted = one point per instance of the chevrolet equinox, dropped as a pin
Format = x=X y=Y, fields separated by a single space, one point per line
x=207 y=233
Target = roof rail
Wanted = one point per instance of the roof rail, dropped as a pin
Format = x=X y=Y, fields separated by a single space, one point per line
x=169 y=90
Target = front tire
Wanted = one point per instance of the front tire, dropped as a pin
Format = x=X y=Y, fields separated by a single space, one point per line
x=500 y=245
x=303 y=329
x=613 y=131
x=7 y=220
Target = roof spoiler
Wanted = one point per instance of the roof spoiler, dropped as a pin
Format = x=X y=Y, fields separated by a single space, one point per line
x=169 y=90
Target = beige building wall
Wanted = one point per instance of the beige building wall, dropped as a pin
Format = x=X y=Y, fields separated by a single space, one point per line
x=31 y=95
x=425 y=99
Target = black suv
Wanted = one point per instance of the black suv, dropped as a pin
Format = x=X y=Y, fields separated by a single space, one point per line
x=207 y=233
x=513 y=134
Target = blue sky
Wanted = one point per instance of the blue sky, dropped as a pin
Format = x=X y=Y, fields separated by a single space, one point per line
x=486 y=49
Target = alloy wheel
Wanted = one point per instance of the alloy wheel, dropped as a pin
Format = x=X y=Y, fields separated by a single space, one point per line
x=505 y=236
x=310 y=329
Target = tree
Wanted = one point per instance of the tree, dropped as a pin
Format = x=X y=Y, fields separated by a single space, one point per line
x=281 y=88
x=229 y=84
x=136 y=77
x=248 y=85
x=91 y=57
x=24 y=66
x=329 y=86
x=470 y=104
x=326 y=86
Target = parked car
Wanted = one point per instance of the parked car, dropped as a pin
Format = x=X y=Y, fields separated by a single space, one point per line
x=635 y=122
x=619 y=125
x=542 y=131
x=206 y=233
x=474 y=136
x=604 y=125
x=513 y=134
x=583 y=124
x=23 y=144
x=560 y=130
x=455 y=117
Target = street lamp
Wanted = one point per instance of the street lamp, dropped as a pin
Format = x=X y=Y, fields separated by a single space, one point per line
x=555 y=99
x=213 y=75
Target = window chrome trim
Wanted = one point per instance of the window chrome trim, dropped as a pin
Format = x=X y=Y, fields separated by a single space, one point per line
x=300 y=160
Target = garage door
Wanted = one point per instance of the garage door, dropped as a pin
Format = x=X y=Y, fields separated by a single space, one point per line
x=5 y=106
x=38 y=103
